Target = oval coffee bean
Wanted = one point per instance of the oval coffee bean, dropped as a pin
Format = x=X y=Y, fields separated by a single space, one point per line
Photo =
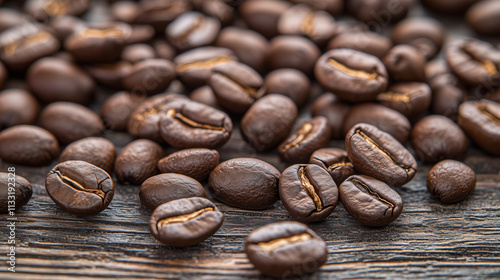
x=451 y=181
x=288 y=51
x=410 y=99
x=366 y=41
x=150 y=76
x=137 y=161
x=17 y=107
x=308 y=192
x=185 y=222
x=191 y=30
x=28 y=145
x=289 y=82
x=263 y=15
x=376 y=153
x=334 y=110
x=138 y=52
x=109 y=74
x=159 y=13
x=79 y=187
x=380 y=12
x=205 y=95
x=13 y=185
x=163 y=188
x=44 y=10
x=97 y=151
x=370 y=201
x=484 y=17
x=285 y=249
x=405 y=63
x=117 y=109
x=335 y=161
x=195 y=163
x=255 y=188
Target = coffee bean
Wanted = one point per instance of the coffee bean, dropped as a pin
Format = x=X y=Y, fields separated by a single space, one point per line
x=141 y=33
x=255 y=188
x=159 y=13
x=219 y=9
x=289 y=82
x=263 y=15
x=64 y=26
x=410 y=99
x=367 y=42
x=110 y=74
x=191 y=30
x=17 y=186
x=269 y=121
x=379 y=13
x=43 y=10
x=195 y=163
x=28 y=145
x=150 y=76
x=310 y=136
x=481 y=121
x=138 y=52
x=451 y=181
x=334 y=7
x=295 y=52
x=79 y=187
x=376 y=153
x=17 y=107
x=436 y=68
x=329 y=106
x=352 y=75
x=164 y=50
x=117 y=109
x=449 y=6
x=484 y=16
x=163 y=188
x=137 y=161
x=97 y=151
x=370 y=201
x=205 y=95
x=185 y=222
x=3 y=75
x=335 y=161
x=425 y=34
x=70 y=122
x=125 y=11
x=10 y=18
x=285 y=249
x=405 y=63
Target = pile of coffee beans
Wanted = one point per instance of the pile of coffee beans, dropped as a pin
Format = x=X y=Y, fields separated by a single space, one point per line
x=288 y=76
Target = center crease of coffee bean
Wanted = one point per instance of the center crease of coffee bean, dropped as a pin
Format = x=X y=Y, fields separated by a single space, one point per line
x=56 y=7
x=365 y=188
x=491 y=115
x=490 y=67
x=101 y=33
x=174 y=114
x=339 y=164
x=11 y=47
x=202 y=64
x=183 y=218
x=197 y=25
x=175 y=7
x=251 y=91
x=310 y=189
x=307 y=26
x=272 y=245
x=77 y=186
x=301 y=134
x=395 y=96
x=352 y=72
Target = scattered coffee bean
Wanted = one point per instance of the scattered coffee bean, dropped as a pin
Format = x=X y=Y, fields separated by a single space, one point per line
x=64 y=26
x=451 y=181
x=367 y=42
x=379 y=13
x=335 y=161
x=289 y=82
x=150 y=76
x=484 y=17
x=137 y=161
x=43 y=10
x=17 y=186
x=410 y=99
x=205 y=95
x=17 y=107
x=405 y=63
x=191 y=30
x=110 y=74
x=195 y=163
x=263 y=15
x=164 y=50
x=219 y=9
x=334 y=7
x=97 y=151
x=295 y=52
x=159 y=13
x=138 y=52
x=117 y=109
x=125 y=11
x=329 y=106
x=10 y=18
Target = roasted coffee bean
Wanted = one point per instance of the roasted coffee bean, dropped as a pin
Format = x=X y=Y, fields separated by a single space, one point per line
x=449 y=6
x=405 y=63
x=159 y=13
x=141 y=33
x=219 y=9
x=436 y=68
x=150 y=76
x=28 y=145
x=295 y=52
x=425 y=34
x=110 y=74
x=3 y=75
x=481 y=121
x=191 y=30
x=334 y=7
x=164 y=50
x=17 y=107
x=376 y=153
x=255 y=188
x=163 y=188
x=23 y=44
x=138 y=52
x=386 y=119
x=380 y=12
x=285 y=249
x=289 y=82
x=137 y=161
x=64 y=26
x=451 y=181
x=367 y=42
x=70 y=122
x=195 y=163
x=335 y=161
x=263 y=15
x=236 y=86
x=185 y=222
x=484 y=17
x=117 y=109
x=370 y=201
x=352 y=75
x=13 y=185
x=329 y=106
x=97 y=151
x=410 y=99
x=45 y=9
x=205 y=95
x=269 y=121
x=312 y=135
x=79 y=187
x=126 y=11
x=10 y=18
x=188 y=124
x=54 y=79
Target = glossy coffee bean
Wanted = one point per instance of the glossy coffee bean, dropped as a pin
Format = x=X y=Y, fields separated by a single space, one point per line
x=379 y=12
x=17 y=186
x=191 y=30
x=335 y=161
x=195 y=163
x=221 y=10
x=451 y=181
x=110 y=74
x=70 y=122
x=351 y=75
x=263 y=15
x=481 y=121
x=97 y=151
x=425 y=34
x=137 y=161
x=64 y=26
x=159 y=13
x=285 y=249
x=410 y=99
x=10 y=18
x=205 y=95
x=405 y=63
x=312 y=135
x=138 y=52
x=256 y=187
x=163 y=188
x=367 y=42
x=289 y=82
x=376 y=153
x=116 y=110
x=334 y=7
x=163 y=49
x=484 y=16
x=370 y=201
x=334 y=110
x=269 y=121
x=125 y=11
x=435 y=138
x=449 y=6
x=150 y=76
x=79 y=187
x=28 y=145
x=141 y=33
x=17 y=107
x=287 y=51
x=185 y=222
x=45 y=9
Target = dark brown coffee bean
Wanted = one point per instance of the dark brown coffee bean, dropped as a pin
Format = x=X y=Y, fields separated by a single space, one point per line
x=449 y=6
x=15 y=192
x=97 y=151
x=10 y=18
x=436 y=68
x=185 y=222
x=405 y=63
x=42 y=10
x=205 y=95
x=141 y=33
x=425 y=34
x=150 y=76
x=329 y=106
x=159 y=13
x=64 y=26
x=117 y=109
x=451 y=181
x=195 y=163
x=269 y=121
x=70 y=122
x=379 y=13
x=164 y=49
x=110 y=74
x=335 y=161
x=410 y=99
x=263 y=15
x=191 y=30
x=289 y=82
x=351 y=75
x=285 y=249
x=28 y=145
x=53 y=79
x=370 y=201
x=334 y=7
x=255 y=188
x=295 y=52
x=481 y=121
x=137 y=161
x=17 y=107
x=79 y=187
x=138 y=52
x=163 y=188
x=219 y=9
x=376 y=153
x=126 y=11
x=312 y=135
x=367 y=42
x=484 y=17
